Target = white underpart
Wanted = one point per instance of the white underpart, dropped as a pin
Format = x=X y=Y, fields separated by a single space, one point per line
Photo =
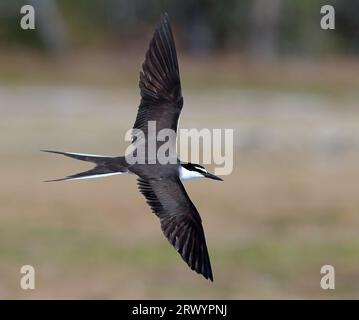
x=188 y=174
x=85 y=154
x=96 y=176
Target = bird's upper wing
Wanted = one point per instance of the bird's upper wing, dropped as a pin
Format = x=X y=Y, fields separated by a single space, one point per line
x=161 y=97
x=180 y=221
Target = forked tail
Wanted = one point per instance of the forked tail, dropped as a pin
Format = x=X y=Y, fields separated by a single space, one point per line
x=104 y=165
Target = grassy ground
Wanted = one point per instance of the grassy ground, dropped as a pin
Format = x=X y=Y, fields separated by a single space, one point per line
x=289 y=207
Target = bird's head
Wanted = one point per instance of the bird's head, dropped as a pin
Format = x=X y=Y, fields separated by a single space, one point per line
x=193 y=171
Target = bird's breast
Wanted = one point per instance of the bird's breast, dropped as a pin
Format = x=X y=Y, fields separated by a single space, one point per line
x=185 y=174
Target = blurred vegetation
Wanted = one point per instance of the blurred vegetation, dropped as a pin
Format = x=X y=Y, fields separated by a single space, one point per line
x=260 y=27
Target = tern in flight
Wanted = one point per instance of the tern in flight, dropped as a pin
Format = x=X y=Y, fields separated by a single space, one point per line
x=161 y=102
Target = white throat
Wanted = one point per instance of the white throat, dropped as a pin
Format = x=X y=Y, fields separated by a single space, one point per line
x=185 y=174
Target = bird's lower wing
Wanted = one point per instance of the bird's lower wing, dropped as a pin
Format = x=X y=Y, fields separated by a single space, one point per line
x=180 y=221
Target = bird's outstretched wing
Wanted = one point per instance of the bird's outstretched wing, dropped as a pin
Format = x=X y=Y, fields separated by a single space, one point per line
x=180 y=221
x=161 y=97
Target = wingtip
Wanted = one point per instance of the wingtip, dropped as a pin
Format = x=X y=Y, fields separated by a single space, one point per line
x=210 y=276
x=165 y=15
x=165 y=18
x=207 y=276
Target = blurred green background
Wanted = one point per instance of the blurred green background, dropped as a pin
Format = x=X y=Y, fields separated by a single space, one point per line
x=262 y=67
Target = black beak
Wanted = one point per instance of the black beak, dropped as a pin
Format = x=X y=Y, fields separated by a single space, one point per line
x=212 y=176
